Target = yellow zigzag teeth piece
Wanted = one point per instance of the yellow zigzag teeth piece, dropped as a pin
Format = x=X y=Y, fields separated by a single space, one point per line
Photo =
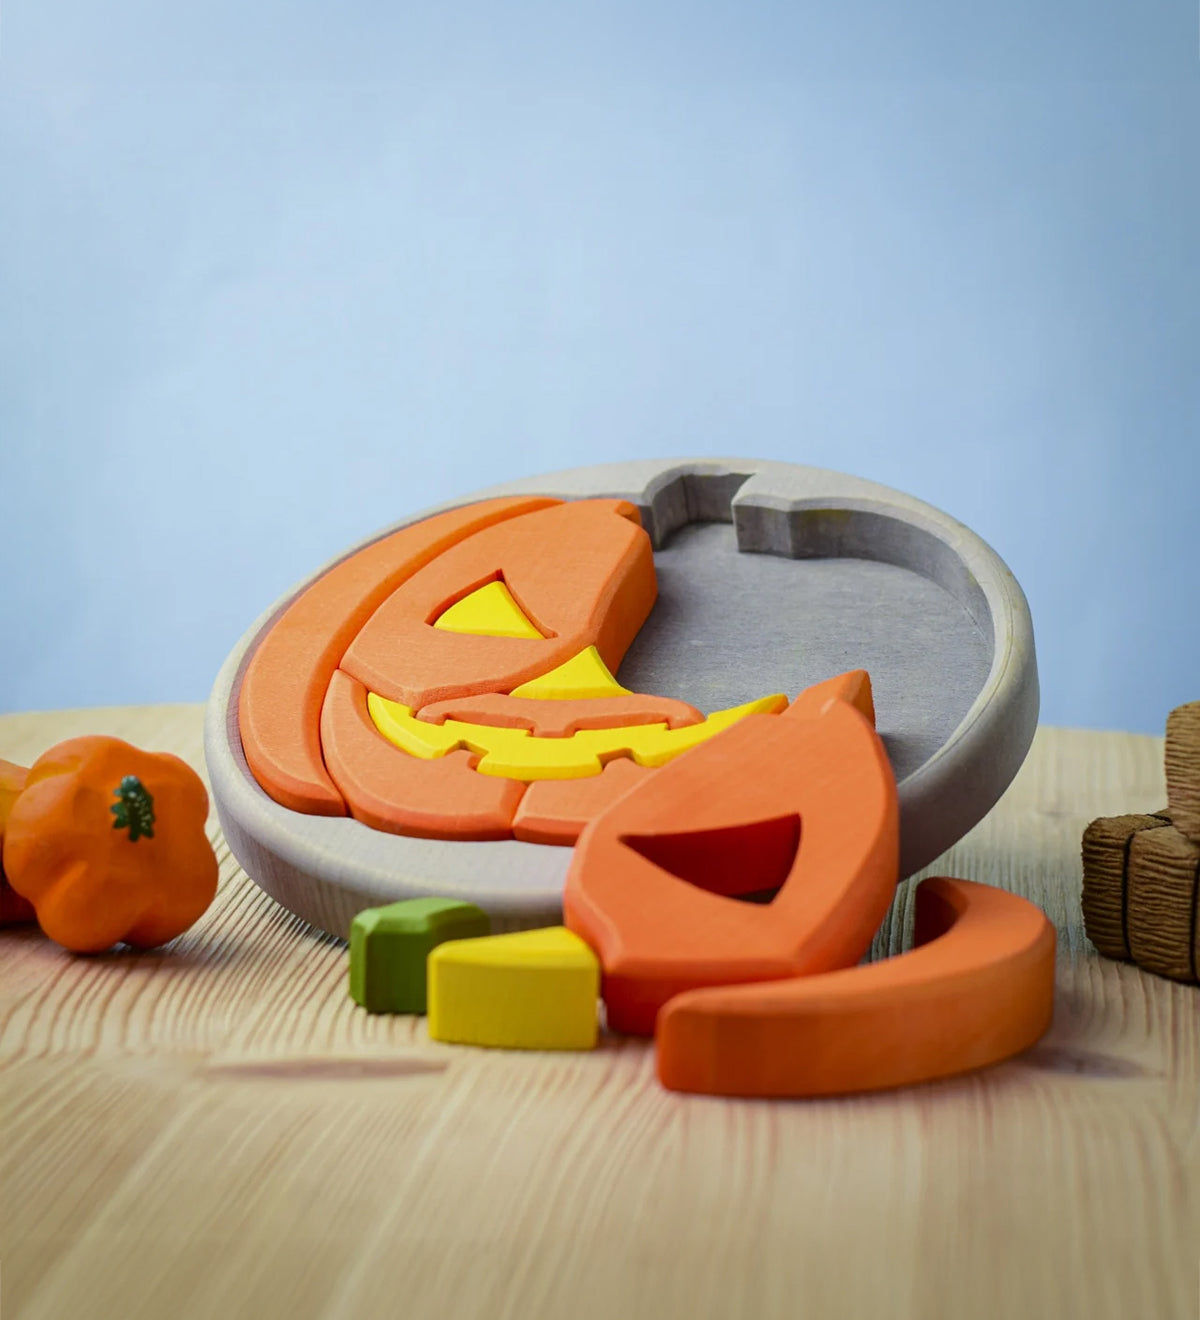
x=518 y=754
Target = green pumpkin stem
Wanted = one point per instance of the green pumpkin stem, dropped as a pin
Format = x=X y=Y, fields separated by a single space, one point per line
x=134 y=810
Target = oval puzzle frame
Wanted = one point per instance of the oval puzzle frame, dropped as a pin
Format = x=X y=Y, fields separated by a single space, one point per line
x=943 y=621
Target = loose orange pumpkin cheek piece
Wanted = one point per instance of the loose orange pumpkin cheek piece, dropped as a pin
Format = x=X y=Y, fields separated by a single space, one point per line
x=582 y=572
x=979 y=988
x=806 y=798
x=282 y=691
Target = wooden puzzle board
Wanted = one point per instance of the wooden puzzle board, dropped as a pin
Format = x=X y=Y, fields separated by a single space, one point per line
x=771 y=577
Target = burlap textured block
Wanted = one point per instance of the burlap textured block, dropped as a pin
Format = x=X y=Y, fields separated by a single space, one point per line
x=1106 y=844
x=1164 y=868
x=1183 y=769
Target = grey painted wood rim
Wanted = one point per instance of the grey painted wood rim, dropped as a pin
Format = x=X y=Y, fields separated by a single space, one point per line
x=325 y=869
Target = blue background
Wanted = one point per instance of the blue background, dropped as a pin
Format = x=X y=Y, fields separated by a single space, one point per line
x=273 y=276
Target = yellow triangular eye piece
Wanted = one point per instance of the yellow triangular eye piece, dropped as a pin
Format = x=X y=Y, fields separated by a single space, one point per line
x=489 y=611
x=583 y=675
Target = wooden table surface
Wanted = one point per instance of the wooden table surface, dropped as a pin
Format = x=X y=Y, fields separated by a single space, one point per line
x=216 y=1130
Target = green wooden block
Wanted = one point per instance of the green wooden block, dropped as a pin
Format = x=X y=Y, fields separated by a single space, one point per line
x=389 y=946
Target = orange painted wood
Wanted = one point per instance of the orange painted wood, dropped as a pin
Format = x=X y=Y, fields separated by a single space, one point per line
x=853 y=687
x=979 y=988
x=560 y=719
x=582 y=572
x=390 y=790
x=658 y=934
x=556 y=810
x=279 y=703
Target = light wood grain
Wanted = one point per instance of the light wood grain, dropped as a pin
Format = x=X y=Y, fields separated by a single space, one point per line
x=217 y=1130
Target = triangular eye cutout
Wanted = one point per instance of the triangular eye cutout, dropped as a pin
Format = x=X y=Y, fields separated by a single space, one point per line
x=489 y=611
x=747 y=861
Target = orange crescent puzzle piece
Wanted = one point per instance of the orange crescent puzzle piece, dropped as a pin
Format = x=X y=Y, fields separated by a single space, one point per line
x=978 y=988
x=805 y=800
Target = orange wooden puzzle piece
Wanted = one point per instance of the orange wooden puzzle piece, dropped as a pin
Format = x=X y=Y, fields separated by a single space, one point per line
x=852 y=687
x=724 y=818
x=978 y=988
x=283 y=689
x=557 y=810
x=582 y=572
x=390 y=790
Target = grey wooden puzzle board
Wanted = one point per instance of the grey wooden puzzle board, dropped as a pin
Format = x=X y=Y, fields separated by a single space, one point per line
x=771 y=576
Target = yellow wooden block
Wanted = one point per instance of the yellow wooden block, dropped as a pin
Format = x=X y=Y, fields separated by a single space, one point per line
x=531 y=990
x=489 y=611
x=584 y=675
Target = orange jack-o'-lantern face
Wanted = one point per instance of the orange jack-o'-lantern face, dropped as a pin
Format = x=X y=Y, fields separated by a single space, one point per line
x=455 y=679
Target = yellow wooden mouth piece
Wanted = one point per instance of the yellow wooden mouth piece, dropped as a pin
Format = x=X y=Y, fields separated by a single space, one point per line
x=516 y=753
x=520 y=754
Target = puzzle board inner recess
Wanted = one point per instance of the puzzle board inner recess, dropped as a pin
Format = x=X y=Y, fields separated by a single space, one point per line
x=770 y=577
